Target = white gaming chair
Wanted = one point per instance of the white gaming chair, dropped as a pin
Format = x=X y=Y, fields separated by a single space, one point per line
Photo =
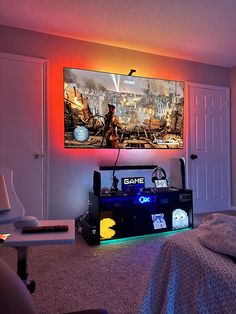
x=16 y=213
x=16 y=210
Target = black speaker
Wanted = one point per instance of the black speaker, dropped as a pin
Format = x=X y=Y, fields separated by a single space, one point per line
x=177 y=173
x=90 y=232
x=96 y=182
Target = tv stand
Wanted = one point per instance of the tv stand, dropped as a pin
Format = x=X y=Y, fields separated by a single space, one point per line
x=120 y=215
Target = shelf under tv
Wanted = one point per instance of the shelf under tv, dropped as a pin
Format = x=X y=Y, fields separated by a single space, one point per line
x=139 y=167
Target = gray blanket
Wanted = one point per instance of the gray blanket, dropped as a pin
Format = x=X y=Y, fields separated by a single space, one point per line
x=189 y=278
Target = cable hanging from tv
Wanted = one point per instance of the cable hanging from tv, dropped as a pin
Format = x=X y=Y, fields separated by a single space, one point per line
x=115 y=180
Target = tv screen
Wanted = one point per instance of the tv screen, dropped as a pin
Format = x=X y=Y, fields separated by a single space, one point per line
x=107 y=110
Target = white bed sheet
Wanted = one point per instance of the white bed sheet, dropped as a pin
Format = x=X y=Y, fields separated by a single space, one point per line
x=189 y=278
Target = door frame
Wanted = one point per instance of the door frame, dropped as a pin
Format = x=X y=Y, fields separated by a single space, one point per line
x=188 y=85
x=44 y=137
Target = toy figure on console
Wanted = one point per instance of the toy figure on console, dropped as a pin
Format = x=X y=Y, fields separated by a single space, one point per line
x=112 y=122
x=114 y=189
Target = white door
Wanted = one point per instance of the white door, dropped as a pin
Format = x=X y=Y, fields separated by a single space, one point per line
x=209 y=147
x=22 y=102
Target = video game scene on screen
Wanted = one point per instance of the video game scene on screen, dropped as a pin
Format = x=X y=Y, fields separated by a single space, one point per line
x=105 y=110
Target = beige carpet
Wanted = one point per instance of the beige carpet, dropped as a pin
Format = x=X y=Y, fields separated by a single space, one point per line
x=79 y=276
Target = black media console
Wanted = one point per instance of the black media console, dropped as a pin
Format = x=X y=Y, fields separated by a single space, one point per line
x=136 y=211
x=121 y=216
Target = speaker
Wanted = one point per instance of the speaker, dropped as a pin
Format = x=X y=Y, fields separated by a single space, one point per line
x=177 y=173
x=96 y=183
x=90 y=232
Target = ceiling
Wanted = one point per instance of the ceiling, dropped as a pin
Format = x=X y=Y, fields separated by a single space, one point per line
x=196 y=30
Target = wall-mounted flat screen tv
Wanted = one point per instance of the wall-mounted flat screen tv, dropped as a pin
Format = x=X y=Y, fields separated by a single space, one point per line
x=107 y=110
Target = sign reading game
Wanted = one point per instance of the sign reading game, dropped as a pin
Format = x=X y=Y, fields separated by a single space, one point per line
x=132 y=185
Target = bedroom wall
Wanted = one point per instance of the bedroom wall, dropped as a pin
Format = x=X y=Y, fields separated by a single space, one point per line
x=70 y=171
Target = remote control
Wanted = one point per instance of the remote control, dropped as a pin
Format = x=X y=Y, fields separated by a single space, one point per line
x=41 y=229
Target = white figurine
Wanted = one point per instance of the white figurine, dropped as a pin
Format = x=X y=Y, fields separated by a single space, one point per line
x=179 y=219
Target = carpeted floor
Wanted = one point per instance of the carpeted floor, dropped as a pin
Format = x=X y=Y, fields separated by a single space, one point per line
x=79 y=276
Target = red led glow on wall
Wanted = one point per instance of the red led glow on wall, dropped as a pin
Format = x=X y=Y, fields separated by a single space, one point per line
x=116 y=63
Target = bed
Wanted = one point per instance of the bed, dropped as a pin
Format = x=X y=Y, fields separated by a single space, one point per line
x=193 y=276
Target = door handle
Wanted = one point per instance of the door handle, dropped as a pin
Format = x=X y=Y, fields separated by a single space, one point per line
x=37 y=155
x=193 y=156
